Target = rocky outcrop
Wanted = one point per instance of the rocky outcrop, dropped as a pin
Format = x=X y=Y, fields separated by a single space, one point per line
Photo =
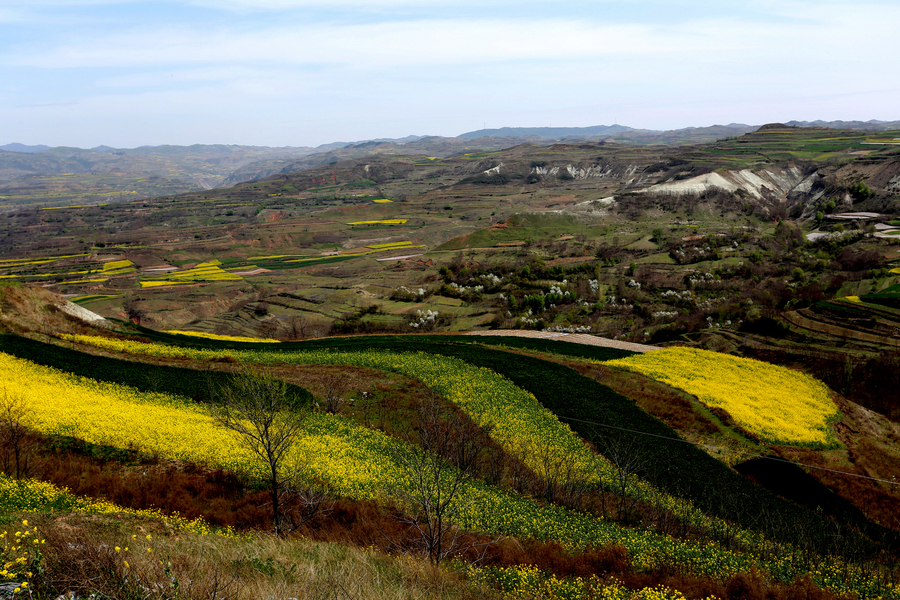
x=765 y=184
x=586 y=172
x=80 y=312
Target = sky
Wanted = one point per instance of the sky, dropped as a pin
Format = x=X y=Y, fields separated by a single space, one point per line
x=127 y=73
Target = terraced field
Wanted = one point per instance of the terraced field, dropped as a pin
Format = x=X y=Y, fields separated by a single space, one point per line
x=520 y=403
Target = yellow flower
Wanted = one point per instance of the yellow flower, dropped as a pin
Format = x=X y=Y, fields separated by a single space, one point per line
x=776 y=403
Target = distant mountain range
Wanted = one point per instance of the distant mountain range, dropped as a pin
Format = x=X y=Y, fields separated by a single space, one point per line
x=872 y=125
x=551 y=132
x=45 y=175
x=595 y=132
x=24 y=148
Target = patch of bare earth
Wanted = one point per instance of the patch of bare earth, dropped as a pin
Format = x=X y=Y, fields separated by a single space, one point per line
x=576 y=338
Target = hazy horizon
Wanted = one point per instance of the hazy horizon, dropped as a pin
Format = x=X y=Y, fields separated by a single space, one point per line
x=401 y=137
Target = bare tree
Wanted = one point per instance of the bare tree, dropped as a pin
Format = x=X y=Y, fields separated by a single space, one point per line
x=303 y=497
x=434 y=490
x=268 y=418
x=13 y=409
x=366 y=403
x=336 y=387
x=297 y=327
x=451 y=435
x=557 y=478
x=522 y=476
x=268 y=328
x=625 y=454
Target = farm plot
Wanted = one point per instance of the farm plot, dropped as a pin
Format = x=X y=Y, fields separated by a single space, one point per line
x=513 y=416
x=516 y=419
x=360 y=463
x=775 y=403
x=205 y=271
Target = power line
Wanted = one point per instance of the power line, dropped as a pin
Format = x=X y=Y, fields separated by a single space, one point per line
x=772 y=458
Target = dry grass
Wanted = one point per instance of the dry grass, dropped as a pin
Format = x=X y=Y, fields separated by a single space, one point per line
x=28 y=308
x=112 y=556
x=115 y=559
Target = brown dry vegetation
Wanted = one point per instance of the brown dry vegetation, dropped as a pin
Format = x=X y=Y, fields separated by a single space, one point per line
x=26 y=308
x=87 y=555
x=138 y=481
x=336 y=549
x=109 y=555
x=132 y=480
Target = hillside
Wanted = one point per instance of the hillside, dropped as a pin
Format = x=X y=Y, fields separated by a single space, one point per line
x=43 y=176
x=601 y=251
x=67 y=176
x=644 y=243
x=629 y=513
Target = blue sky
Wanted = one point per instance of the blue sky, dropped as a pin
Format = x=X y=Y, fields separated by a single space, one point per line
x=306 y=72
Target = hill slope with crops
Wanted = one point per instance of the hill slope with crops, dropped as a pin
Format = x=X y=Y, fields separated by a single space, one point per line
x=551 y=482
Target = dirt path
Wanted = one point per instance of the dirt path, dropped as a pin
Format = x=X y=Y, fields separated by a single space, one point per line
x=576 y=338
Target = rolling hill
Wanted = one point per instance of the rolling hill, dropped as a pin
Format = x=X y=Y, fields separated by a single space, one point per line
x=579 y=470
x=638 y=511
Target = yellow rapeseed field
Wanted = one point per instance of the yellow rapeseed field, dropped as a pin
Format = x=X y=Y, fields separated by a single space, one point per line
x=776 y=403
x=205 y=271
x=95 y=280
x=356 y=461
x=360 y=462
x=226 y=338
x=115 y=415
x=114 y=265
x=152 y=284
x=28 y=495
x=517 y=421
x=390 y=245
x=513 y=416
x=528 y=581
x=381 y=222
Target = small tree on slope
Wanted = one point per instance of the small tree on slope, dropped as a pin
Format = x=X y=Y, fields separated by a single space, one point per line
x=268 y=418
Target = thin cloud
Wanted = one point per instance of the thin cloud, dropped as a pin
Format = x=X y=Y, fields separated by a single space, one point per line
x=425 y=42
x=292 y=72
